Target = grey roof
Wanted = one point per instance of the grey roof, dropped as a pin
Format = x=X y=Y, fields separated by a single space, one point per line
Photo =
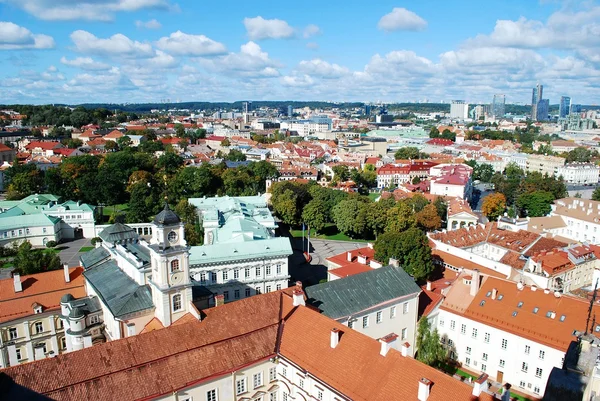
x=353 y=294
x=66 y=298
x=139 y=251
x=118 y=232
x=86 y=304
x=166 y=217
x=118 y=291
x=76 y=313
x=93 y=257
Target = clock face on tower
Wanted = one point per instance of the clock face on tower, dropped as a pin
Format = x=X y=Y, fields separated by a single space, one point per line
x=172 y=236
x=176 y=278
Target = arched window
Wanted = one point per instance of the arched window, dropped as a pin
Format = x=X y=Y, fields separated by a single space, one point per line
x=175 y=265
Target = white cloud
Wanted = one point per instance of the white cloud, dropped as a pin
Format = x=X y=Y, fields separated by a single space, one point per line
x=250 y=62
x=311 y=30
x=259 y=28
x=152 y=24
x=297 y=81
x=93 y=10
x=401 y=19
x=322 y=69
x=85 y=63
x=183 y=44
x=13 y=37
x=117 y=45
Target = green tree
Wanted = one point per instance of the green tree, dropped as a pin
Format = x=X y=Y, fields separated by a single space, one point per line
x=314 y=215
x=429 y=347
x=596 y=194
x=377 y=216
x=493 y=205
x=179 y=130
x=124 y=142
x=143 y=204
x=191 y=226
x=400 y=218
x=428 y=218
x=442 y=207
x=235 y=155
x=288 y=200
x=341 y=173
x=410 y=248
x=350 y=217
x=410 y=153
x=580 y=154
x=535 y=204
x=31 y=261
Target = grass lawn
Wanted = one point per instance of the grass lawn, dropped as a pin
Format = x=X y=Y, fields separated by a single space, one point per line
x=374 y=195
x=329 y=232
x=108 y=210
x=5 y=263
x=86 y=248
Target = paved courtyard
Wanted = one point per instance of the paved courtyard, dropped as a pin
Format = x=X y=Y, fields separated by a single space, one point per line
x=315 y=271
x=69 y=253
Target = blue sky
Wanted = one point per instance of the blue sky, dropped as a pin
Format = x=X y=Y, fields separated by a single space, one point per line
x=73 y=51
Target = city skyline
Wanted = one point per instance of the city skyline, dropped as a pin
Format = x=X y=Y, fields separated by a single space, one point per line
x=148 y=50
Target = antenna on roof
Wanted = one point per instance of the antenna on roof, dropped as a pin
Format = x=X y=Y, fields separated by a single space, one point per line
x=587 y=323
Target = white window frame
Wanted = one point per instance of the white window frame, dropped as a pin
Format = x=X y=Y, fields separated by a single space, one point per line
x=392 y=312
x=405 y=308
x=240 y=384
x=378 y=317
x=257 y=380
x=40 y=329
x=211 y=395
x=176 y=299
x=13 y=333
x=365 y=322
x=272 y=374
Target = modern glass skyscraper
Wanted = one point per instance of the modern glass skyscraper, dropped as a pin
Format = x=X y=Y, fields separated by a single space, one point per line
x=542 y=110
x=498 y=105
x=564 y=107
x=536 y=97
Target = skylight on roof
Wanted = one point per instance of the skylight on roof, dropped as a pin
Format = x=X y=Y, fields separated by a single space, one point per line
x=514 y=314
x=597 y=328
x=482 y=303
x=562 y=318
x=500 y=297
x=549 y=313
x=536 y=309
x=488 y=294
x=520 y=304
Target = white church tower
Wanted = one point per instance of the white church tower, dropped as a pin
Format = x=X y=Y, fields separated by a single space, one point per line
x=170 y=283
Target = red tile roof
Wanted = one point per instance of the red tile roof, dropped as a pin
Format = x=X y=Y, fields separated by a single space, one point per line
x=45 y=289
x=233 y=336
x=350 y=270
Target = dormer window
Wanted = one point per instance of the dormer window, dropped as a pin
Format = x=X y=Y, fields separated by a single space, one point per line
x=37 y=308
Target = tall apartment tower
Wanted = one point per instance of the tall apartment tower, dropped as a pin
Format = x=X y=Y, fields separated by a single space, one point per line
x=498 y=106
x=565 y=106
x=536 y=97
x=459 y=109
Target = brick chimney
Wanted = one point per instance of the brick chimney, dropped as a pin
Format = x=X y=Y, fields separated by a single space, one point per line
x=388 y=342
x=219 y=299
x=298 y=297
x=424 y=388
x=17 y=282
x=475 y=283
x=67 y=273
x=480 y=385
x=335 y=337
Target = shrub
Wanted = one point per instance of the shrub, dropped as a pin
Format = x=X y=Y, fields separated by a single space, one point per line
x=51 y=244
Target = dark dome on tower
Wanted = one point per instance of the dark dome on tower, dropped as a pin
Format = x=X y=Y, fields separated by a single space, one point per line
x=166 y=217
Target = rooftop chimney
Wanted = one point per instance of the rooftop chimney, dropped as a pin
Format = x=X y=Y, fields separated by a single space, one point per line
x=349 y=256
x=67 y=273
x=298 y=296
x=388 y=342
x=424 y=387
x=474 y=283
x=335 y=337
x=429 y=285
x=17 y=282
x=494 y=293
x=404 y=349
x=219 y=299
x=480 y=385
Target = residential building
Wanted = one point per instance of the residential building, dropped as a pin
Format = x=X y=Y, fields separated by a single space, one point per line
x=7 y=155
x=459 y=109
x=268 y=347
x=580 y=173
x=453 y=180
x=241 y=255
x=575 y=122
x=544 y=164
x=580 y=220
x=498 y=106
x=392 y=175
x=459 y=214
x=375 y=303
x=564 y=106
x=513 y=332
x=352 y=262
x=563 y=269
x=31 y=325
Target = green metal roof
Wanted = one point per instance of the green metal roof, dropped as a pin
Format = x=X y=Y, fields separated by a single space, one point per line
x=118 y=291
x=353 y=294
x=225 y=252
x=73 y=206
x=117 y=232
x=93 y=257
x=26 y=221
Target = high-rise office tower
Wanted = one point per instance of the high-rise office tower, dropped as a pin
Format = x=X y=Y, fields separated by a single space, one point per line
x=564 y=107
x=535 y=99
x=575 y=109
x=367 y=110
x=459 y=109
x=542 y=110
x=290 y=111
x=246 y=107
x=498 y=105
